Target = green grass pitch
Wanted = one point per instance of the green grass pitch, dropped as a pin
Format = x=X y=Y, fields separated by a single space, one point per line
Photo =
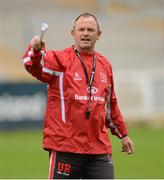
x=21 y=155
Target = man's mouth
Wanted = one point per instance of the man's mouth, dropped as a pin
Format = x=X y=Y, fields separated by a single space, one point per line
x=85 y=39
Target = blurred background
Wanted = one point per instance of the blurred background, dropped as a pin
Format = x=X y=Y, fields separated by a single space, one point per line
x=132 y=38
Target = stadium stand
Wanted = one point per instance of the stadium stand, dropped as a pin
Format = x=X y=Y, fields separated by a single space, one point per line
x=133 y=39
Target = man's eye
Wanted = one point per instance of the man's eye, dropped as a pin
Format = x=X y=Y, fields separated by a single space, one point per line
x=81 y=29
x=91 y=30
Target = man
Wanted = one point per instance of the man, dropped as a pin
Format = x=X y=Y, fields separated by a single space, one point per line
x=81 y=104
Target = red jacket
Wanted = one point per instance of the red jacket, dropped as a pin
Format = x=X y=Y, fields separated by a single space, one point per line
x=66 y=127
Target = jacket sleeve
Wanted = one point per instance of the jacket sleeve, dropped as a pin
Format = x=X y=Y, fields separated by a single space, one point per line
x=114 y=118
x=34 y=61
x=45 y=65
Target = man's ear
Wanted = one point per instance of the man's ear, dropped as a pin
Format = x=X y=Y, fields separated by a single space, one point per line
x=98 y=35
x=73 y=33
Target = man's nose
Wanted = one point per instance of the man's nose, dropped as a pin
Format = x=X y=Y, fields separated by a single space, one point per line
x=85 y=32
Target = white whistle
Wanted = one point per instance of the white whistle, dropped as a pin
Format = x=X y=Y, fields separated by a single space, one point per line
x=43 y=29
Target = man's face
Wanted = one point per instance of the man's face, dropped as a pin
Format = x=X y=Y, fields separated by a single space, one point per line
x=85 y=34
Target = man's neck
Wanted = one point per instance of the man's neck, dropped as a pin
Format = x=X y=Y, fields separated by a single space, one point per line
x=85 y=51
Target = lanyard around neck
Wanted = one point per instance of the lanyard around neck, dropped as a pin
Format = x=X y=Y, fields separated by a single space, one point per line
x=88 y=80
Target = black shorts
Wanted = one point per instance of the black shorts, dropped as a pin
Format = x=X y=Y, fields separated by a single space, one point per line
x=80 y=166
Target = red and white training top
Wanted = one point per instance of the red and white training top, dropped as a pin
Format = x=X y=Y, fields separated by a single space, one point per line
x=66 y=128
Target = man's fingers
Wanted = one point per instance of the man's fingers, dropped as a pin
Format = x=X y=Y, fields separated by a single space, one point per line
x=36 y=44
x=131 y=147
x=35 y=41
x=128 y=145
x=128 y=149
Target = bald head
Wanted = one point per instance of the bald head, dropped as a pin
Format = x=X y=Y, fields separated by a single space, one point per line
x=87 y=15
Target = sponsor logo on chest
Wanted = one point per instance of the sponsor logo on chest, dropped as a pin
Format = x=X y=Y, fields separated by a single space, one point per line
x=77 y=77
x=103 y=78
x=94 y=90
x=93 y=97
